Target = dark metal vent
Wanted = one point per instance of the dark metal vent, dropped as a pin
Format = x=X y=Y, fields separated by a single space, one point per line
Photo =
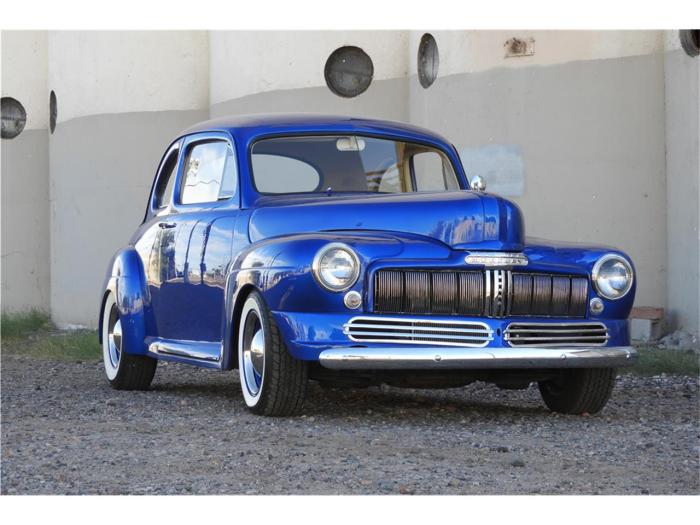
x=490 y=293
x=556 y=334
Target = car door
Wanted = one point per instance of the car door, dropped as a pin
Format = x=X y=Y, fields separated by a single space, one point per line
x=195 y=244
x=152 y=239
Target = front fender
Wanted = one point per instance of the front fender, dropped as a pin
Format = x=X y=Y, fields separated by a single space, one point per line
x=126 y=280
x=280 y=269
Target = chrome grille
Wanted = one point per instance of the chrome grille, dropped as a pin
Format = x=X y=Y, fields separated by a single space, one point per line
x=417 y=331
x=489 y=293
x=556 y=334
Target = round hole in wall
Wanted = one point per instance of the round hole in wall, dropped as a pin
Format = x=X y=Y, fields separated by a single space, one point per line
x=53 y=111
x=14 y=117
x=690 y=40
x=349 y=71
x=428 y=60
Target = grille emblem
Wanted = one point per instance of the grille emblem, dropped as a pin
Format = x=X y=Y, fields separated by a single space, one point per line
x=496 y=259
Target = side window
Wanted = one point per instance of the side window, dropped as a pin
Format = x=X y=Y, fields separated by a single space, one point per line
x=433 y=172
x=279 y=174
x=209 y=173
x=166 y=180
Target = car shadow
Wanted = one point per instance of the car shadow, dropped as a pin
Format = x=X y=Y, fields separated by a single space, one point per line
x=333 y=403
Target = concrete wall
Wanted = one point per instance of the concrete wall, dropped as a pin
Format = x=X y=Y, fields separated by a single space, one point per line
x=595 y=135
x=25 y=175
x=682 y=96
x=283 y=71
x=143 y=89
x=589 y=135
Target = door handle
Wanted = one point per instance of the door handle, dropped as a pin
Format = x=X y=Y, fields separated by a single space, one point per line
x=166 y=225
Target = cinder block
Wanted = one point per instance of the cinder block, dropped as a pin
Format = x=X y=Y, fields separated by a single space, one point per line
x=646 y=329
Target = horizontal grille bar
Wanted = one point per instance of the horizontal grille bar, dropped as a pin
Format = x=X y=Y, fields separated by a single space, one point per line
x=556 y=334
x=488 y=293
x=418 y=331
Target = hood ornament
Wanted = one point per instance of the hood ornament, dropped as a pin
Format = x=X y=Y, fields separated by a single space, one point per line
x=496 y=258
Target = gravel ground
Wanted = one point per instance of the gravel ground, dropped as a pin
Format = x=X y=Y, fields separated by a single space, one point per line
x=65 y=431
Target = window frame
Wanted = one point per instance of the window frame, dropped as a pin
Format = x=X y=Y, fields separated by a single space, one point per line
x=190 y=142
x=450 y=155
x=153 y=209
x=414 y=178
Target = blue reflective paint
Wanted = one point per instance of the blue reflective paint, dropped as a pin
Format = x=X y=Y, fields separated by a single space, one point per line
x=188 y=268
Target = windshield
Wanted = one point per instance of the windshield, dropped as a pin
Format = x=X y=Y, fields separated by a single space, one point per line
x=348 y=163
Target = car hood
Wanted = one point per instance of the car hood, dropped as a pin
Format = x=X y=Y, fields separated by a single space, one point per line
x=460 y=219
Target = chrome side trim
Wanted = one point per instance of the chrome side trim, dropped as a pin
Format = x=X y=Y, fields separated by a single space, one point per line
x=202 y=351
x=437 y=357
x=403 y=330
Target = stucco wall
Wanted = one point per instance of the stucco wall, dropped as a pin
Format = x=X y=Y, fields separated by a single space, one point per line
x=25 y=175
x=682 y=98
x=590 y=136
x=102 y=168
x=144 y=88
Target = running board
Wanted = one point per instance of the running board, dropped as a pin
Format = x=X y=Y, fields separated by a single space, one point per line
x=197 y=350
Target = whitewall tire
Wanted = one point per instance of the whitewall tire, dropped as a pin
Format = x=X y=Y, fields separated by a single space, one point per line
x=273 y=383
x=124 y=371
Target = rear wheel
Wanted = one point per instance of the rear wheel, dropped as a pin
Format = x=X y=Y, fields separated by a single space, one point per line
x=579 y=390
x=272 y=381
x=124 y=371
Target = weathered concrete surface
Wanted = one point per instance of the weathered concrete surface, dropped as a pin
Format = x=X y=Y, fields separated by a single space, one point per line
x=102 y=169
x=682 y=96
x=591 y=135
x=25 y=221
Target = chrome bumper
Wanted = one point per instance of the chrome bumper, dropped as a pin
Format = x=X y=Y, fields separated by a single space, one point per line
x=440 y=357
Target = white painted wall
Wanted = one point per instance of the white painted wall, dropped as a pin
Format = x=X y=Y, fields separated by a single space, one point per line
x=248 y=62
x=470 y=51
x=97 y=72
x=122 y=97
x=25 y=175
x=24 y=74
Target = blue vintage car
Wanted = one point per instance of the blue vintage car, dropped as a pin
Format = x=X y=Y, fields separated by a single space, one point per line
x=354 y=251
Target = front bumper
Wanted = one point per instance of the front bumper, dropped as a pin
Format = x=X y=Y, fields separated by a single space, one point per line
x=439 y=357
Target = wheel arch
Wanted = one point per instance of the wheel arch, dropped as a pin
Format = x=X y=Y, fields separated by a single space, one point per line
x=126 y=280
x=230 y=358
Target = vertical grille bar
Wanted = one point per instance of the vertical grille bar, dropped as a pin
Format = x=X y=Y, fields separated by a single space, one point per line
x=579 y=297
x=541 y=294
x=522 y=294
x=471 y=293
x=417 y=292
x=444 y=293
x=561 y=292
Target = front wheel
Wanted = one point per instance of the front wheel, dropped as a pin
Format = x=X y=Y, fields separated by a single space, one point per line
x=272 y=381
x=124 y=371
x=579 y=390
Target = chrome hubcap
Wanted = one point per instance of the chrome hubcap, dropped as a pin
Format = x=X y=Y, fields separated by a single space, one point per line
x=253 y=353
x=115 y=338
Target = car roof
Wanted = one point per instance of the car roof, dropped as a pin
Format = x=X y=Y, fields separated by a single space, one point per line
x=253 y=125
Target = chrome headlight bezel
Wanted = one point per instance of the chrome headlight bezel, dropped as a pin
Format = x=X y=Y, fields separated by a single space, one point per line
x=317 y=270
x=596 y=277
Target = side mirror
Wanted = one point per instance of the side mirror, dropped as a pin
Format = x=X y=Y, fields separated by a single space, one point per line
x=477 y=183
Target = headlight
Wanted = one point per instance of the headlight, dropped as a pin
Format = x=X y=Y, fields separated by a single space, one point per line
x=336 y=267
x=612 y=276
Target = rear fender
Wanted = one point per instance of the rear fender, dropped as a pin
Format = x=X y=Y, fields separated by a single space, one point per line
x=126 y=280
